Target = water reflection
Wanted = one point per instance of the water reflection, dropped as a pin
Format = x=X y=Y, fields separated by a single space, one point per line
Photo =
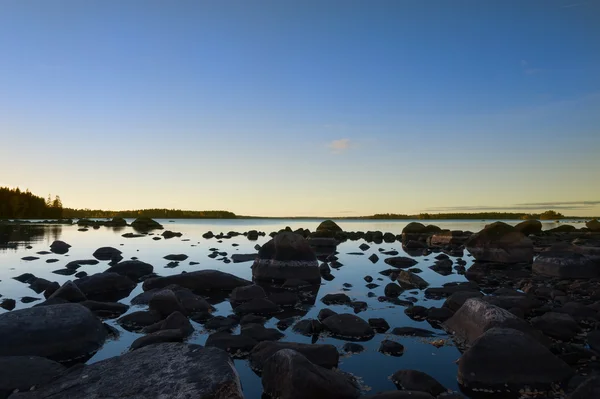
x=14 y=236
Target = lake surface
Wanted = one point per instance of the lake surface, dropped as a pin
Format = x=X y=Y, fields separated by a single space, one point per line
x=372 y=367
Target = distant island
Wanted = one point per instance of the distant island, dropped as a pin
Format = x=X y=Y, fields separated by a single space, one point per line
x=17 y=204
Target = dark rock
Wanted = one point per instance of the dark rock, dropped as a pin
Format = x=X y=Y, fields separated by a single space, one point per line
x=358 y=306
x=416 y=312
x=336 y=299
x=247 y=293
x=325 y=313
x=239 y=258
x=563 y=262
x=61 y=332
x=374 y=258
x=59 y=247
x=456 y=300
x=51 y=289
x=593 y=340
x=259 y=333
x=136 y=321
x=489 y=364
x=105 y=309
x=529 y=227
x=167 y=234
x=379 y=325
x=69 y=292
x=22 y=373
x=325 y=356
x=222 y=323
x=400 y=262
x=393 y=290
x=329 y=225
x=176 y=257
x=8 y=304
x=556 y=325
x=348 y=326
x=285 y=299
x=236 y=345
x=414 y=380
x=52 y=260
x=260 y=306
x=134 y=269
x=391 y=348
x=588 y=389
x=105 y=286
x=364 y=247
x=200 y=282
x=208 y=374
x=162 y=336
x=351 y=347
x=412 y=332
x=368 y=279
x=287 y=255
x=308 y=327
x=39 y=285
x=404 y=395
x=107 y=253
x=191 y=302
x=439 y=314
x=65 y=272
x=411 y=280
x=593 y=225
x=288 y=374
x=251 y=318
x=146 y=224
x=175 y=321
x=26 y=278
x=578 y=311
x=28 y=299
x=164 y=303
x=30 y=258
x=500 y=242
x=76 y=264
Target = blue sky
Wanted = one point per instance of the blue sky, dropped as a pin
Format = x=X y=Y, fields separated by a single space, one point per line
x=303 y=108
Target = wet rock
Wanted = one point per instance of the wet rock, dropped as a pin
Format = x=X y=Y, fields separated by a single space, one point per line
x=64 y=272
x=364 y=247
x=529 y=227
x=500 y=242
x=167 y=234
x=416 y=312
x=287 y=255
x=411 y=280
x=176 y=257
x=208 y=373
x=374 y=258
x=28 y=299
x=412 y=332
x=76 y=264
x=105 y=286
x=59 y=247
x=523 y=302
x=259 y=306
x=379 y=325
x=288 y=374
x=368 y=279
x=134 y=269
x=593 y=340
x=61 y=332
x=8 y=304
x=401 y=262
x=134 y=235
x=251 y=318
x=191 y=302
x=358 y=306
x=402 y=395
x=105 y=309
x=237 y=346
x=414 y=380
x=578 y=311
x=391 y=348
x=294 y=284
x=393 y=290
x=69 y=292
x=284 y=299
x=22 y=373
x=456 y=300
x=164 y=303
x=107 y=253
x=477 y=316
x=352 y=347
x=175 y=321
x=308 y=327
x=53 y=260
x=588 y=389
x=593 y=225
x=222 y=323
x=247 y=293
x=146 y=224
x=348 y=326
x=325 y=356
x=239 y=258
x=325 y=313
x=29 y=258
x=162 y=336
x=329 y=225
x=439 y=314
x=563 y=262
x=200 y=282
x=136 y=321
x=336 y=299
x=487 y=364
x=39 y=285
x=556 y=325
x=259 y=333
x=26 y=278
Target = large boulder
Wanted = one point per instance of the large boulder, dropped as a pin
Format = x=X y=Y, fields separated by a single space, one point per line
x=105 y=286
x=323 y=355
x=401 y=262
x=289 y=375
x=329 y=225
x=23 y=373
x=348 y=326
x=167 y=370
x=507 y=360
x=146 y=224
x=63 y=333
x=593 y=225
x=59 y=247
x=286 y=256
x=566 y=262
x=107 y=253
x=415 y=380
x=557 y=325
x=200 y=282
x=476 y=316
x=416 y=231
x=191 y=302
x=529 y=227
x=448 y=237
x=500 y=242
x=134 y=269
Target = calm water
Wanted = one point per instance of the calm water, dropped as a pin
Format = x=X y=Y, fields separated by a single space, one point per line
x=371 y=366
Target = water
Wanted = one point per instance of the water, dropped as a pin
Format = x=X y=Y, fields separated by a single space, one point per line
x=371 y=366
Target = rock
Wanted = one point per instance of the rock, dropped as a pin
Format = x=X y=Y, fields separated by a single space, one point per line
x=446 y=237
x=588 y=389
x=236 y=345
x=556 y=325
x=176 y=257
x=107 y=253
x=487 y=364
x=412 y=332
x=593 y=340
x=30 y=258
x=146 y=224
x=169 y=370
x=329 y=225
x=414 y=380
x=391 y=348
x=523 y=302
x=348 y=326
x=76 y=264
x=69 y=292
x=51 y=289
x=259 y=333
x=457 y=299
x=239 y=258
x=379 y=325
x=308 y=327
x=287 y=255
x=59 y=247
x=477 y=316
x=191 y=302
x=529 y=227
x=105 y=286
x=364 y=247
x=439 y=314
x=26 y=278
x=136 y=321
x=593 y=225
x=39 y=285
x=175 y=321
x=500 y=242
x=416 y=312
x=67 y=332
x=287 y=374
x=200 y=282
x=565 y=228
x=403 y=395
x=578 y=311
x=374 y=258
x=251 y=318
x=167 y=234
x=411 y=280
x=401 y=262
x=105 y=309
x=134 y=269
x=247 y=293
x=563 y=262
x=325 y=313
x=322 y=355
x=8 y=304
x=259 y=306
x=65 y=272
x=158 y=337
x=208 y=235
x=164 y=303
x=336 y=299
x=22 y=373
x=285 y=299
x=28 y=299
x=393 y=290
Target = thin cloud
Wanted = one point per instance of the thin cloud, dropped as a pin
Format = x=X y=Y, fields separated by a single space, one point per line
x=532 y=206
x=339 y=146
x=528 y=69
x=576 y=4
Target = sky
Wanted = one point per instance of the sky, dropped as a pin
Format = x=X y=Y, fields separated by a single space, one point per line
x=303 y=108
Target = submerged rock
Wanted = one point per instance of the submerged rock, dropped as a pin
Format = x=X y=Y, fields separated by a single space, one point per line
x=67 y=332
x=170 y=370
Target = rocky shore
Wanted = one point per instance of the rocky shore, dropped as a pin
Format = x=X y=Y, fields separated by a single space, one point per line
x=526 y=319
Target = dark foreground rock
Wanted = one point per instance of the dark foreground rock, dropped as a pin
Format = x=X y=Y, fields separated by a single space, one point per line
x=169 y=370
x=348 y=326
x=134 y=269
x=200 y=282
x=289 y=375
x=402 y=395
x=146 y=224
x=63 y=333
x=500 y=242
x=24 y=372
x=105 y=286
x=563 y=262
x=414 y=380
x=507 y=360
x=322 y=355
x=286 y=256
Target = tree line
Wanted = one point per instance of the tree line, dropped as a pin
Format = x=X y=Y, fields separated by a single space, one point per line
x=17 y=204
x=151 y=213
x=548 y=215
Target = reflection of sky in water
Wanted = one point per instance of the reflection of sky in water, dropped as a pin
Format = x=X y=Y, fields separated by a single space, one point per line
x=373 y=367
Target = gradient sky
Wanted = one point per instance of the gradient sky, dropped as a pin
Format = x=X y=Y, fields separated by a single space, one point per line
x=303 y=107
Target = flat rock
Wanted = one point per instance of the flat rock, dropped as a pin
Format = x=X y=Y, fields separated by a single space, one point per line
x=557 y=325
x=414 y=380
x=200 y=282
x=401 y=262
x=348 y=326
x=236 y=345
x=134 y=269
x=239 y=258
x=105 y=286
x=323 y=355
x=24 y=372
